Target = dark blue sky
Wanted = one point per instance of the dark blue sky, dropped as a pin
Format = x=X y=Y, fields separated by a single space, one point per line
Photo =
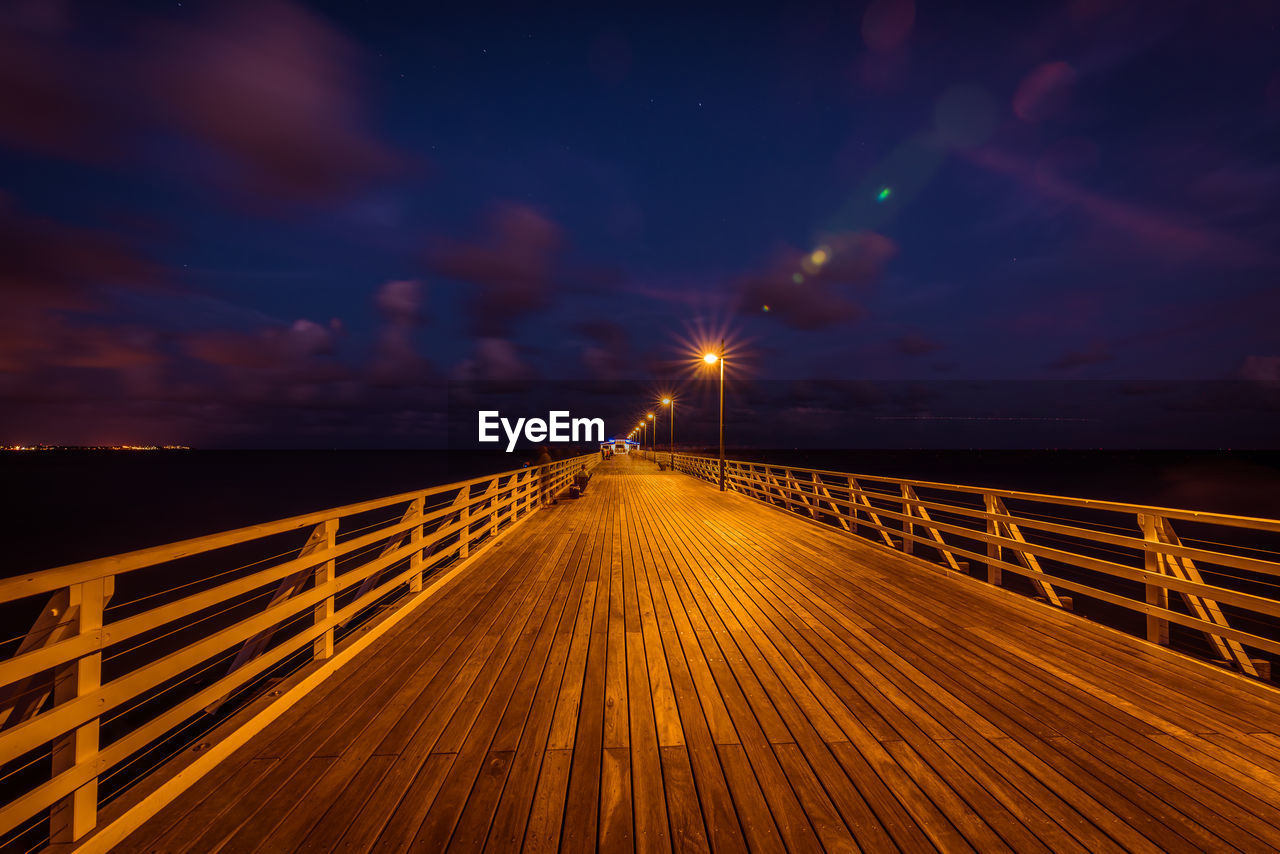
x=294 y=223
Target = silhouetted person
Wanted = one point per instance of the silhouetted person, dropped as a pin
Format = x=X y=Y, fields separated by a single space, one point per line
x=580 y=480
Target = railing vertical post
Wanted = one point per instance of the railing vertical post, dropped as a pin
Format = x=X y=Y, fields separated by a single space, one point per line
x=908 y=527
x=995 y=551
x=853 y=507
x=415 y=540
x=1156 y=594
x=783 y=491
x=326 y=579
x=464 y=534
x=491 y=505
x=77 y=813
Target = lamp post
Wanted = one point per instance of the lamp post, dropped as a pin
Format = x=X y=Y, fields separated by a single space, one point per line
x=711 y=359
x=648 y=418
x=655 y=434
x=671 y=445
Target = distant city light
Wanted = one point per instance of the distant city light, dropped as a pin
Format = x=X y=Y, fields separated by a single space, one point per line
x=94 y=448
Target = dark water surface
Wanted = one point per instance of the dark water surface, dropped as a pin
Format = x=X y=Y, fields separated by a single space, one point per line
x=67 y=506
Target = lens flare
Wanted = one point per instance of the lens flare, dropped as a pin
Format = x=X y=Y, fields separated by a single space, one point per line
x=884 y=194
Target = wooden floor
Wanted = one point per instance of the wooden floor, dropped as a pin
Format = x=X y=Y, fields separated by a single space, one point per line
x=658 y=666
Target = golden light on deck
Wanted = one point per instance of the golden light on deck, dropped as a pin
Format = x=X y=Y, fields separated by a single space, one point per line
x=710 y=358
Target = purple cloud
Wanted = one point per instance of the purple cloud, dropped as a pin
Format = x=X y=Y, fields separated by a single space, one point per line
x=509 y=270
x=813 y=290
x=396 y=361
x=269 y=87
x=1094 y=354
x=915 y=344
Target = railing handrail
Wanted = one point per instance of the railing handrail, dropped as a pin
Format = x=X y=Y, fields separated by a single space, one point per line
x=1167 y=565
x=1257 y=523
x=45 y=580
x=65 y=647
x=1232 y=560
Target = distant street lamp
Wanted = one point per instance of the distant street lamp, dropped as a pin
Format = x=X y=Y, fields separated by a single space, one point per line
x=711 y=358
x=655 y=432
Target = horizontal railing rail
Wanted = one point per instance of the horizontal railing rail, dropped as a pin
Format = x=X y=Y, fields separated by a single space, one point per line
x=95 y=684
x=1112 y=556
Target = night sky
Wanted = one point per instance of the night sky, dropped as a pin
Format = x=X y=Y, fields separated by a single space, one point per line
x=296 y=224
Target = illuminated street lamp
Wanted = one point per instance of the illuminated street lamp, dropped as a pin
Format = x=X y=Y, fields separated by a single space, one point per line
x=655 y=432
x=671 y=446
x=711 y=358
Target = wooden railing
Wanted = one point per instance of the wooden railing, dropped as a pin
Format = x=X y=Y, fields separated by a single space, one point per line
x=1114 y=556
x=102 y=678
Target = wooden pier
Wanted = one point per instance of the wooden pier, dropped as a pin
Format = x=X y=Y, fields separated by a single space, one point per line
x=659 y=666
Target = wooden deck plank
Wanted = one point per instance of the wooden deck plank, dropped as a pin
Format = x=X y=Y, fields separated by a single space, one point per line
x=340 y=812
x=688 y=831
x=191 y=811
x=221 y=801
x=582 y=802
x=616 y=821
x=1180 y=688
x=658 y=666
x=413 y=738
x=512 y=814
x=749 y=719
x=267 y=814
x=546 y=817
x=720 y=819
x=649 y=814
x=478 y=759
x=206 y=813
